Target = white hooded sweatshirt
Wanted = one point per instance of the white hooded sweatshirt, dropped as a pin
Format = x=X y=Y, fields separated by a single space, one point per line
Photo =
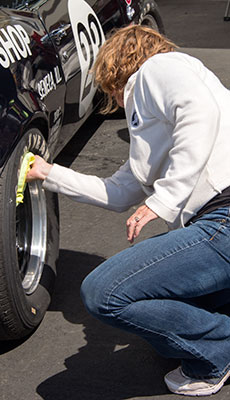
x=178 y=118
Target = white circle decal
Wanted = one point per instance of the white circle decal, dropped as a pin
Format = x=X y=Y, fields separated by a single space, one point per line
x=89 y=36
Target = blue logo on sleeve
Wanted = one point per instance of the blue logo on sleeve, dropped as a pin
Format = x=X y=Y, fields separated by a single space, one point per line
x=134 y=120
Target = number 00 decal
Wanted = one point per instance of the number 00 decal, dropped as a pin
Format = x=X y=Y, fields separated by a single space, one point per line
x=89 y=36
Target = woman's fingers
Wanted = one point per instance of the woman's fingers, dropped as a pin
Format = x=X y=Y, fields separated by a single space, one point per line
x=39 y=170
x=138 y=220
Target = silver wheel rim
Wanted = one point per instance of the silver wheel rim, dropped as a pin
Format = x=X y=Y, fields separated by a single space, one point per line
x=31 y=236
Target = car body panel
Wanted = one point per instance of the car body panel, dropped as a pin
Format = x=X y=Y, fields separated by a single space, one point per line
x=46 y=52
x=34 y=71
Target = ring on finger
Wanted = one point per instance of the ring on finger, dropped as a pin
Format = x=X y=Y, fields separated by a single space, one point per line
x=137 y=219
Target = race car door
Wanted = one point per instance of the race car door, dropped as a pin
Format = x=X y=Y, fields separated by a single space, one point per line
x=77 y=34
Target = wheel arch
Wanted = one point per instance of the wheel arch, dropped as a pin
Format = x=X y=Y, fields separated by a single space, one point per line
x=41 y=124
x=38 y=121
x=150 y=7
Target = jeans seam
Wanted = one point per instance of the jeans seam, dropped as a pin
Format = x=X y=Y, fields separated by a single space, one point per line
x=223 y=224
x=179 y=342
x=169 y=336
x=150 y=265
x=218 y=376
x=191 y=351
x=220 y=228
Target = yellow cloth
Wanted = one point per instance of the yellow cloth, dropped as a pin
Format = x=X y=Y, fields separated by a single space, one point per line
x=27 y=161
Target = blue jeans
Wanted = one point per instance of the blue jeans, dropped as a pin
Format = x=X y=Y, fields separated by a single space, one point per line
x=167 y=289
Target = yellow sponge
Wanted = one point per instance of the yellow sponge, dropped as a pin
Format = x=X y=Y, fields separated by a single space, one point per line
x=27 y=161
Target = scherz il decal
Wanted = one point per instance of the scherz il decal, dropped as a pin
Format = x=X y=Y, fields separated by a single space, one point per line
x=89 y=36
x=49 y=82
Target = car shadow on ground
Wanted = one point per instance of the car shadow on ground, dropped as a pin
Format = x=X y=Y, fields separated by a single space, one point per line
x=79 y=140
x=112 y=364
x=84 y=134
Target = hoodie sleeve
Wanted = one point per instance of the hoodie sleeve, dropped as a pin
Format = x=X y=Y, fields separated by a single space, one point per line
x=170 y=90
x=116 y=193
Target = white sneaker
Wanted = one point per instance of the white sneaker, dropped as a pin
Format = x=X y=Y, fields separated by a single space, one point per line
x=179 y=383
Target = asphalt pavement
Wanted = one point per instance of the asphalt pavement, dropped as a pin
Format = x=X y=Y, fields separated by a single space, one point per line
x=72 y=356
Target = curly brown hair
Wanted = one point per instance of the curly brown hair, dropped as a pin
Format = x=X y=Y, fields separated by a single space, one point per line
x=121 y=55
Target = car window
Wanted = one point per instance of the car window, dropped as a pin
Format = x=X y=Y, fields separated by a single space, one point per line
x=16 y=3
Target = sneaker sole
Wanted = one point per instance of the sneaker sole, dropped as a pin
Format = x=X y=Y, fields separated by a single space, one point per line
x=200 y=392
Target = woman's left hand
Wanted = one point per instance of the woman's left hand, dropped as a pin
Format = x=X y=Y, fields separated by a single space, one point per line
x=139 y=219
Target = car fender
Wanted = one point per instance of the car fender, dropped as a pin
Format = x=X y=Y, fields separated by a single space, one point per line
x=33 y=85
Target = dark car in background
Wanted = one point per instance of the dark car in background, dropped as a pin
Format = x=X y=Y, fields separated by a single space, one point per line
x=47 y=48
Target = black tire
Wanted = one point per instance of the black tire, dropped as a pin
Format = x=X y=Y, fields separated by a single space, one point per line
x=150 y=16
x=29 y=242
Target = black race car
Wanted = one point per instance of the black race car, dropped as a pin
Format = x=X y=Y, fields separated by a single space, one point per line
x=47 y=48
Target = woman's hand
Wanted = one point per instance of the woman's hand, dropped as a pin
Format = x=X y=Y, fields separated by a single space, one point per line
x=39 y=170
x=139 y=219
